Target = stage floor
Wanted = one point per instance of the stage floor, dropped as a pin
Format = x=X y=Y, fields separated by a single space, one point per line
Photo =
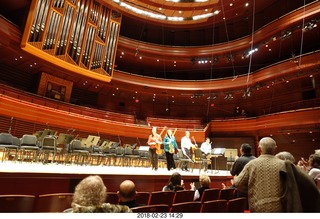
x=27 y=167
x=38 y=178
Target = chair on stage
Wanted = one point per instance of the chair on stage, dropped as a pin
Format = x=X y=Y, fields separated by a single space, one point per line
x=49 y=147
x=17 y=203
x=210 y=194
x=161 y=197
x=8 y=145
x=183 y=196
x=143 y=197
x=56 y=202
x=77 y=154
x=227 y=194
x=215 y=206
x=237 y=204
x=186 y=207
x=152 y=208
x=29 y=148
x=129 y=158
x=199 y=160
x=112 y=198
x=183 y=160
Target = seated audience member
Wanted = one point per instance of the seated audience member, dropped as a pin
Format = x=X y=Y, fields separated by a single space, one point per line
x=90 y=195
x=312 y=167
x=174 y=183
x=204 y=183
x=127 y=194
x=285 y=155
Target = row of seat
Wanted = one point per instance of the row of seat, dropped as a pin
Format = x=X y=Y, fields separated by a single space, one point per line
x=58 y=202
x=215 y=206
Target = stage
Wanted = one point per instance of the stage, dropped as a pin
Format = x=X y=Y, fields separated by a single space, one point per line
x=38 y=178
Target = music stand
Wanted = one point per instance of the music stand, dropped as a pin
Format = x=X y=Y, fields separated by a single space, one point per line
x=92 y=140
x=216 y=152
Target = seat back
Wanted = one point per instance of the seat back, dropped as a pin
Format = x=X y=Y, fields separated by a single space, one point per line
x=214 y=206
x=186 y=207
x=6 y=139
x=57 y=202
x=112 y=198
x=183 y=196
x=237 y=204
x=198 y=154
x=227 y=194
x=210 y=194
x=75 y=144
x=143 y=197
x=152 y=208
x=161 y=197
x=49 y=142
x=17 y=203
x=15 y=141
x=28 y=140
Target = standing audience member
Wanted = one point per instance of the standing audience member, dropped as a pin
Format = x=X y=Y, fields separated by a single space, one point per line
x=170 y=146
x=186 y=147
x=175 y=183
x=90 y=196
x=285 y=155
x=246 y=156
x=204 y=183
x=260 y=179
x=127 y=194
x=275 y=185
x=154 y=141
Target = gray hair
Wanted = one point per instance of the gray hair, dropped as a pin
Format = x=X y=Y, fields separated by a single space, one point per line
x=285 y=155
x=267 y=145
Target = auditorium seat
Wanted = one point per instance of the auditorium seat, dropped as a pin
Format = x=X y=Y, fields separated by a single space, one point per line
x=186 y=207
x=152 y=208
x=56 y=202
x=161 y=197
x=227 y=194
x=214 y=206
x=143 y=197
x=237 y=204
x=210 y=194
x=183 y=196
x=17 y=203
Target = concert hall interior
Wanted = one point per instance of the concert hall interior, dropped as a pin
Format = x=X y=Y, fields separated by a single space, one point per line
x=102 y=73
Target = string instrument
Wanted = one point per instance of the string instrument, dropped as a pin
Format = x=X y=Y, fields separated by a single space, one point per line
x=193 y=147
x=158 y=144
x=171 y=148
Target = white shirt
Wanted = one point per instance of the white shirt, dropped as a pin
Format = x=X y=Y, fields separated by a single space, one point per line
x=185 y=144
x=205 y=148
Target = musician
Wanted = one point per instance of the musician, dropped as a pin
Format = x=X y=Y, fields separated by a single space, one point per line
x=170 y=145
x=206 y=146
x=186 y=146
x=153 y=140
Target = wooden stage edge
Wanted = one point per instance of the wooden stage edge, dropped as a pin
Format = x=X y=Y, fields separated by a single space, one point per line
x=38 y=178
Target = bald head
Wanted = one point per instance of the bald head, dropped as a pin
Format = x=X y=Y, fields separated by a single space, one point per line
x=127 y=191
x=267 y=145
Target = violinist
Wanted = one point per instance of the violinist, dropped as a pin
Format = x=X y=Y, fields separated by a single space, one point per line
x=153 y=141
x=170 y=146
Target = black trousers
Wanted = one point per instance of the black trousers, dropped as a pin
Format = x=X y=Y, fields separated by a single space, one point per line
x=153 y=156
x=184 y=165
x=170 y=161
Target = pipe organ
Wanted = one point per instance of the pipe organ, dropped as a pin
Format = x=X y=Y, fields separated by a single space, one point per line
x=78 y=35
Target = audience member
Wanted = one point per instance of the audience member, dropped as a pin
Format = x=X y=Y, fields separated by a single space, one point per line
x=204 y=184
x=285 y=155
x=312 y=167
x=175 y=183
x=127 y=194
x=260 y=179
x=90 y=196
x=275 y=185
x=245 y=157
